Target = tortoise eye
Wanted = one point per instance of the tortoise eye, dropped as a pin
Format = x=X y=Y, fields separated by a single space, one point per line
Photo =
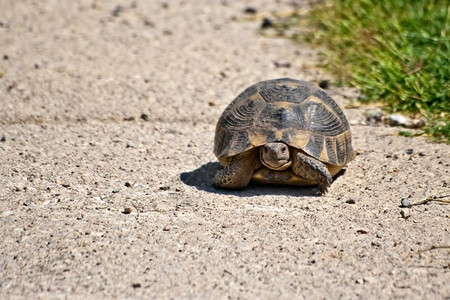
x=283 y=149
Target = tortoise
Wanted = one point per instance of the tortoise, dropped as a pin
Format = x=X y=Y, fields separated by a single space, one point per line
x=282 y=131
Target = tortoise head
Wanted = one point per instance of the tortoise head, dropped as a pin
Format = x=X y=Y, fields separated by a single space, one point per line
x=276 y=156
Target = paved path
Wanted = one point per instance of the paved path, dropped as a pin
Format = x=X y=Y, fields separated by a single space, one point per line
x=108 y=105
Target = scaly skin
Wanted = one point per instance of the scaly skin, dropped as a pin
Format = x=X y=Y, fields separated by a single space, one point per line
x=312 y=170
x=239 y=172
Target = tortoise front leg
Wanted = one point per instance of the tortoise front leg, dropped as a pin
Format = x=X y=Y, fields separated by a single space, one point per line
x=238 y=173
x=312 y=170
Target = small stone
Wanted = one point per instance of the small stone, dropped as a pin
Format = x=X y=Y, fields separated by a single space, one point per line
x=376 y=244
x=212 y=103
x=144 y=117
x=127 y=184
x=406 y=202
x=115 y=191
x=362 y=97
x=409 y=151
x=324 y=84
x=419 y=123
x=148 y=23
x=164 y=188
x=130 y=145
x=127 y=210
x=362 y=231
x=404 y=215
x=379 y=235
x=28 y=202
x=374 y=117
x=350 y=201
x=250 y=10
x=136 y=285
x=66 y=185
x=266 y=23
x=117 y=11
x=11 y=86
x=128 y=119
x=397 y=120
x=282 y=65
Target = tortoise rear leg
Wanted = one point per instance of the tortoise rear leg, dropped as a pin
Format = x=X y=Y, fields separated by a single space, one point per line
x=312 y=170
x=238 y=173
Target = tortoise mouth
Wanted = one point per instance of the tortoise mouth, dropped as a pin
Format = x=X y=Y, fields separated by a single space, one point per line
x=282 y=164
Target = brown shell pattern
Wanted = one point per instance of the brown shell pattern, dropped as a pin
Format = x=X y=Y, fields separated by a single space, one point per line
x=295 y=112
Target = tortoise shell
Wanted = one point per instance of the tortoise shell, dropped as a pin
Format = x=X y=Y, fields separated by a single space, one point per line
x=297 y=113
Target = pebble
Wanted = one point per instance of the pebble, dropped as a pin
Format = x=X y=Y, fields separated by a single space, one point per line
x=406 y=202
x=417 y=123
x=324 y=84
x=362 y=97
x=374 y=117
x=409 y=151
x=117 y=10
x=282 y=65
x=350 y=201
x=127 y=184
x=3 y=138
x=397 y=120
x=376 y=244
x=136 y=285
x=127 y=210
x=266 y=23
x=130 y=145
x=145 y=117
x=250 y=10
x=404 y=215
x=28 y=202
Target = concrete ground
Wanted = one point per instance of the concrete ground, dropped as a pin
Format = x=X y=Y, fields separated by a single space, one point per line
x=107 y=119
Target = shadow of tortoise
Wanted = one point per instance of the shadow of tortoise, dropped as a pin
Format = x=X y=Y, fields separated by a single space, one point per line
x=201 y=178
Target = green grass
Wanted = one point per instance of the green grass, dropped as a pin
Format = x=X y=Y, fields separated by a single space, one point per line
x=395 y=52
